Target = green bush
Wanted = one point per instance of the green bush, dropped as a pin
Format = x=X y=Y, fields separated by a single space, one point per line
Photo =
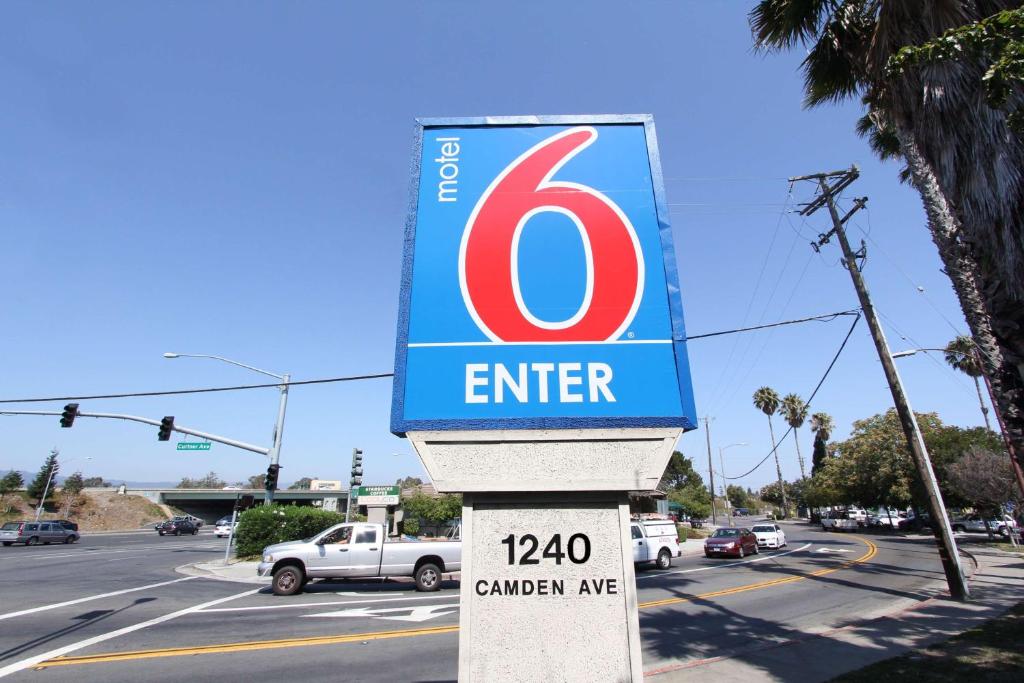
x=268 y=524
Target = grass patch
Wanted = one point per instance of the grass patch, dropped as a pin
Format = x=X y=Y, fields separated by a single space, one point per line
x=990 y=652
x=1008 y=547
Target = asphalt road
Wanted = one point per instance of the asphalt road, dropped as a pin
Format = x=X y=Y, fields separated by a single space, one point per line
x=112 y=608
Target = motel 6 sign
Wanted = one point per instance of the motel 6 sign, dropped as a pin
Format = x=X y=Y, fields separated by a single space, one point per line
x=539 y=287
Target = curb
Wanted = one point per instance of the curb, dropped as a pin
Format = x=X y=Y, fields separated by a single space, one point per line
x=193 y=570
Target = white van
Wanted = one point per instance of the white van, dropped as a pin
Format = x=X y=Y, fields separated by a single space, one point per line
x=655 y=540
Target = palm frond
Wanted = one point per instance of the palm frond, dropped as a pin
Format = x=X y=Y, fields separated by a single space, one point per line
x=781 y=24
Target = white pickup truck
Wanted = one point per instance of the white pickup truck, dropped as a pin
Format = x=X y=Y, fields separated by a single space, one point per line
x=358 y=551
x=837 y=520
x=656 y=541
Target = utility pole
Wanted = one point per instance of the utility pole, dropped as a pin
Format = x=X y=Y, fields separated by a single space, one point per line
x=711 y=472
x=46 y=490
x=830 y=184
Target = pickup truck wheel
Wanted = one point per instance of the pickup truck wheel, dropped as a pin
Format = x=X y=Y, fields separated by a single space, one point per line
x=288 y=580
x=428 y=578
x=664 y=560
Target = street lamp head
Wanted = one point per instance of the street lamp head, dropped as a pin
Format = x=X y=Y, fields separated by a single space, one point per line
x=904 y=354
x=170 y=355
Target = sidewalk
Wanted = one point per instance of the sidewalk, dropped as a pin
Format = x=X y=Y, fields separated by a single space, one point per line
x=997 y=585
x=239 y=572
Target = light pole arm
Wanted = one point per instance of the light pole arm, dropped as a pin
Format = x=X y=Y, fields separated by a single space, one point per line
x=156 y=423
x=234 y=362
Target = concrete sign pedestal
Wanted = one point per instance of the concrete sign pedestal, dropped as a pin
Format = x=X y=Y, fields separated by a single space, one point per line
x=548 y=591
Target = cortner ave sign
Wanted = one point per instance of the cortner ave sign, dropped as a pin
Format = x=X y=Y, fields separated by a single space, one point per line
x=539 y=287
x=541 y=370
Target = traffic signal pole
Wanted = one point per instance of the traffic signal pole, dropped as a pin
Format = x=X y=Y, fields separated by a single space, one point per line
x=948 y=553
x=275 y=450
x=156 y=423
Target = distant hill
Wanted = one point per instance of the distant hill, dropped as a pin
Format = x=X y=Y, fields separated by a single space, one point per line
x=29 y=476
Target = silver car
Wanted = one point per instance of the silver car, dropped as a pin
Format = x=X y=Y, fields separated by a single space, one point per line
x=34 y=533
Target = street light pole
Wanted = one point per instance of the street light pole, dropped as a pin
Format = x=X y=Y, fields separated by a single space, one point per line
x=711 y=472
x=275 y=450
x=721 y=462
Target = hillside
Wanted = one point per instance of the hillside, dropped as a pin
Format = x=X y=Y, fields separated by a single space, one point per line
x=99 y=511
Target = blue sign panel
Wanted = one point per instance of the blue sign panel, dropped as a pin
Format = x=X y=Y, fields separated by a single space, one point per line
x=539 y=286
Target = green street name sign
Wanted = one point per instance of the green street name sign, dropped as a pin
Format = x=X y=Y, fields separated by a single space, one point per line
x=194 y=446
x=377 y=495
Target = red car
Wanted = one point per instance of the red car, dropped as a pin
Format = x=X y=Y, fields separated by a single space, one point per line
x=730 y=541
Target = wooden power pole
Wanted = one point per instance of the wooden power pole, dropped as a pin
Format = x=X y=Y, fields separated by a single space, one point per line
x=830 y=184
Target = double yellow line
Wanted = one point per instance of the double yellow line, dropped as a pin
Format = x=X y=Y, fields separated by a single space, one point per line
x=384 y=635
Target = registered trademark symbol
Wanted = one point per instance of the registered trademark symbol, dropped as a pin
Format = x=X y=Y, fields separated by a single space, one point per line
x=631 y=334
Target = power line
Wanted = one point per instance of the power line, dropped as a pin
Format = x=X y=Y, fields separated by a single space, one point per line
x=807 y=403
x=827 y=317
x=207 y=390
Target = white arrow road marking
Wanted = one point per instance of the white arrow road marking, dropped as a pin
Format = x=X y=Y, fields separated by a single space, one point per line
x=831 y=550
x=329 y=603
x=759 y=558
x=418 y=613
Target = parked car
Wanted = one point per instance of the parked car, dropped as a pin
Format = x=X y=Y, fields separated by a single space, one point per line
x=655 y=541
x=741 y=512
x=885 y=518
x=357 y=551
x=177 y=527
x=857 y=514
x=33 y=533
x=976 y=523
x=769 y=536
x=837 y=520
x=915 y=523
x=223 y=527
x=732 y=541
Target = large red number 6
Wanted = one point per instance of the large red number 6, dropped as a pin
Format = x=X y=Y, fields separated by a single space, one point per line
x=489 y=254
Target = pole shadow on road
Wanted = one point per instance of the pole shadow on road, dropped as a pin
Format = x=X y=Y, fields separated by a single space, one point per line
x=85 y=619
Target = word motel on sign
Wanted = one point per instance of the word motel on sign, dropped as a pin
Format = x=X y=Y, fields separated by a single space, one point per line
x=539 y=382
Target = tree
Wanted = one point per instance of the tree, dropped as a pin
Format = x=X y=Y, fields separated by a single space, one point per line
x=695 y=500
x=302 y=484
x=50 y=468
x=822 y=425
x=679 y=473
x=257 y=481
x=408 y=482
x=985 y=479
x=738 y=496
x=434 y=509
x=767 y=401
x=210 y=481
x=94 y=482
x=960 y=153
x=74 y=484
x=962 y=355
x=794 y=411
x=11 y=482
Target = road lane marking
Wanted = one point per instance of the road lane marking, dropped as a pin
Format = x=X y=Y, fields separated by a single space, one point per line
x=247 y=647
x=415 y=612
x=31 y=662
x=358 y=637
x=332 y=603
x=720 y=566
x=88 y=553
x=57 y=605
x=872 y=549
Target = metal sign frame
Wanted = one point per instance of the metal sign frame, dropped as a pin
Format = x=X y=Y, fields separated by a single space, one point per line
x=400 y=425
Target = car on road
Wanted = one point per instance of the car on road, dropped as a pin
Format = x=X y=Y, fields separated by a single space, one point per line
x=769 y=536
x=655 y=540
x=197 y=522
x=223 y=527
x=34 y=533
x=357 y=551
x=177 y=527
x=67 y=524
x=730 y=541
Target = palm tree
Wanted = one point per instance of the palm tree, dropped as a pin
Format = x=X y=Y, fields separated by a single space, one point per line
x=822 y=425
x=961 y=156
x=794 y=411
x=962 y=355
x=767 y=401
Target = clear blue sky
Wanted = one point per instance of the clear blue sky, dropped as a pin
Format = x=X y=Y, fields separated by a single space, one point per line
x=232 y=178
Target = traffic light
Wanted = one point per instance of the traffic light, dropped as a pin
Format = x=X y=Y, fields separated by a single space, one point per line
x=68 y=416
x=357 y=467
x=271 y=482
x=166 y=427
x=244 y=502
